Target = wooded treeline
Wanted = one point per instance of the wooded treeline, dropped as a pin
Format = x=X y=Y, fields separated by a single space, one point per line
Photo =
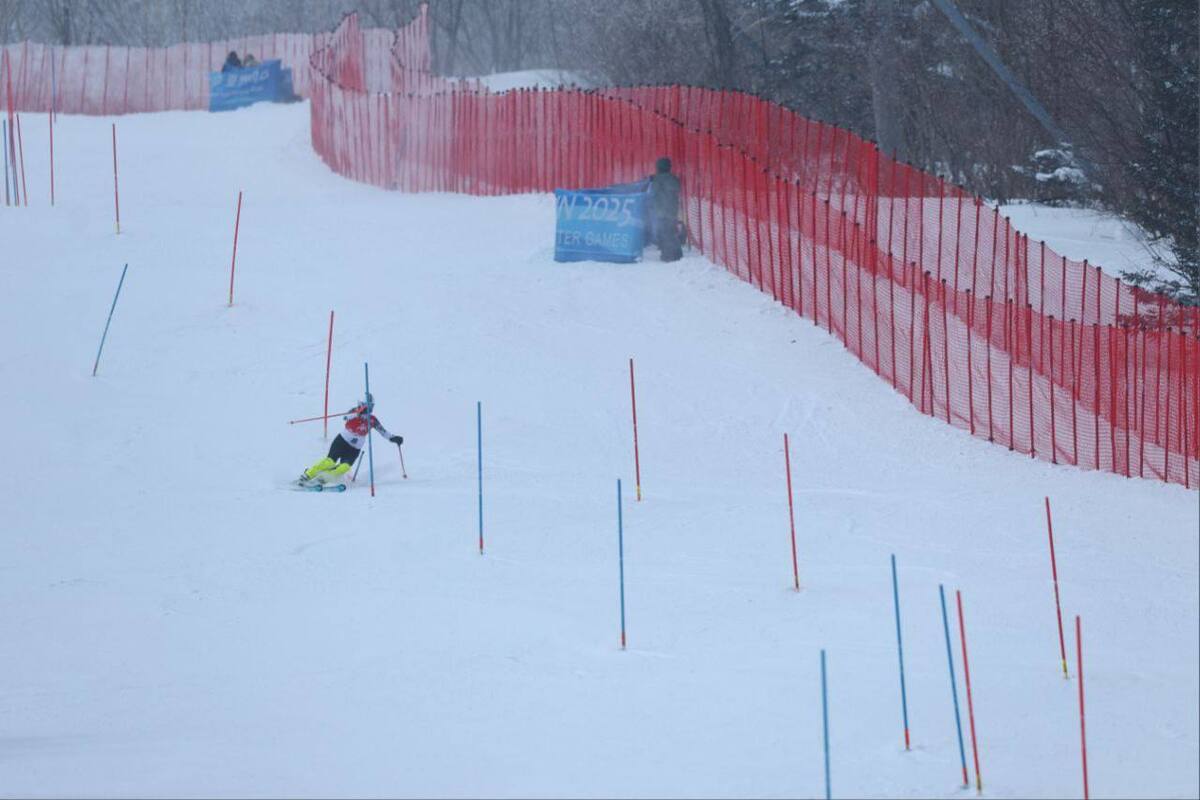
x=1119 y=77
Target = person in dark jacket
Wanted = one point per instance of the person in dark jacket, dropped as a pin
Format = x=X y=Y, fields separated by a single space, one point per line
x=664 y=211
x=231 y=62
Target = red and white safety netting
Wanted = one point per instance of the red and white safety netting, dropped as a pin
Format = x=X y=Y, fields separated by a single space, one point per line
x=974 y=322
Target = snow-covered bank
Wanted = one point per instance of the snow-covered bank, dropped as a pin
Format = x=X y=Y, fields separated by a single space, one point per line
x=177 y=622
x=1105 y=240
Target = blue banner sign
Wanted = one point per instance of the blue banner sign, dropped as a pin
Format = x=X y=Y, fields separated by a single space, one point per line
x=243 y=86
x=606 y=224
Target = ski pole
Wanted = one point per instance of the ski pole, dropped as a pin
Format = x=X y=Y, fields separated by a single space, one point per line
x=403 y=472
x=357 y=464
x=317 y=419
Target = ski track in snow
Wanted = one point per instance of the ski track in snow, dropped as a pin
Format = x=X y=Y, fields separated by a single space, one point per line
x=176 y=621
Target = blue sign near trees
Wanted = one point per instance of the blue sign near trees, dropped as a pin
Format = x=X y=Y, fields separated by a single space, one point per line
x=243 y=86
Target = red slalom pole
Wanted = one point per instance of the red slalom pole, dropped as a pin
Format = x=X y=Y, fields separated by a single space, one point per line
x=51 y=118
x=962 y=632
x=787 y=462
x=237 y=222
x=116 y=187
x=1062 y=646
x=1082 y=726
x=637 y=465
x=328 y=361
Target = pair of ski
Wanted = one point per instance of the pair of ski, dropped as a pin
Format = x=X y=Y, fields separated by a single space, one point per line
x=320 y=487
x=317 y=486
x=341 y=487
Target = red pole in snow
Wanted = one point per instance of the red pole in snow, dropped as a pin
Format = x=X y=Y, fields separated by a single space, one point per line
x=116 y=189
x=51 y=119
x=1082 y=726
x=637 y=465
x=328 y=361
x=962 y=632
x=787 y=461
x=232 y=264
x=1062 y=647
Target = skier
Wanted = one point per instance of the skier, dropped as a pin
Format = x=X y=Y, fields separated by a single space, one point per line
x=346 y=446
x=664 y=211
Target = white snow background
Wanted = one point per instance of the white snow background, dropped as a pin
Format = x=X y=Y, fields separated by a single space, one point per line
x=176 y=621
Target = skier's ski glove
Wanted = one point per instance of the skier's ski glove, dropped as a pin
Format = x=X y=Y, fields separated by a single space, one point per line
x=397 y=440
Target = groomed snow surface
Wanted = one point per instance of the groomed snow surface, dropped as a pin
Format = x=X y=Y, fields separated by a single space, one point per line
x=177 y=621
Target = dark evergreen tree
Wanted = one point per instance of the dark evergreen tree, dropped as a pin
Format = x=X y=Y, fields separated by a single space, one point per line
x=1166 y=176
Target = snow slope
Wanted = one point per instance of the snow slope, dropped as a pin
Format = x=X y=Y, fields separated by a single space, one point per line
x=1117 y=245
x=176 y=621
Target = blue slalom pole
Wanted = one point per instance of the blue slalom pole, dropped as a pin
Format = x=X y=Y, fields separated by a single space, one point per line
x=900 y=649
x=370 y=449
x=621 y=559
x=4 y=128
x=479 y=464
x=962 y=753
x=104 y=335
x=11 y=143
x=825 y=723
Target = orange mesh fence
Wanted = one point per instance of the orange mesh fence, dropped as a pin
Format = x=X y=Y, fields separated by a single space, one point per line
x=975 y=323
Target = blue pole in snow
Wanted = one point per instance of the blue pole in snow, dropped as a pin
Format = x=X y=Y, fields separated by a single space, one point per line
x=370 y=450
x=962 y=753
x=10 y=141
x=4 y=128
x=479 y=464
x=104 y=335
x=900 y=649
x=621 y=559
x=825 y=723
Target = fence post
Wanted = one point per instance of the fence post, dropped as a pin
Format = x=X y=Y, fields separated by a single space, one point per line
x=1142 y=410
x=926 y=358
x=1127 y=392
x=946 y=351
x=1053 y=426
x=1096 y=389
x=892 y=320
x=1074 y=398
x=1009 y=351
x=987 y=307
x=1029 y=353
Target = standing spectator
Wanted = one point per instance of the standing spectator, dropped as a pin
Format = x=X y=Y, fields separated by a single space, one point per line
x=249 y=60
x=664 y=211
x=231 y=62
